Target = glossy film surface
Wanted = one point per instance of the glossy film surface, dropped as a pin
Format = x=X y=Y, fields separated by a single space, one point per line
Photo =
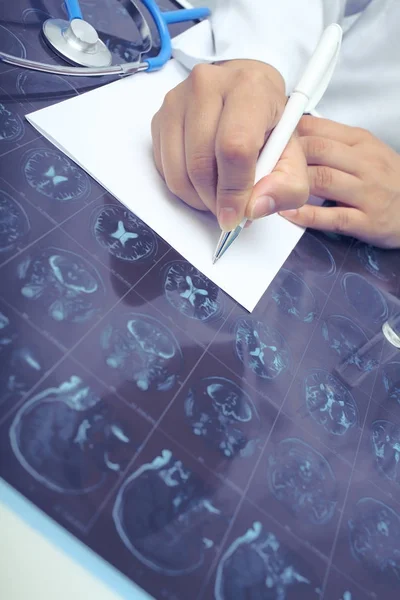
x=204 y=452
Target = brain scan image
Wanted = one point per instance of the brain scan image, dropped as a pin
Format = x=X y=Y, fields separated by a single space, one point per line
x=330 y=403
x=219 y=411
x=346 y=339
x=331 y=235
x=364 y=298
x=36 y=85
x=261 y=348
x=53 y=175
x=20 y=365
x=385 y=440
x=391 y=381
x=374 y=535
x=122 y=234
x=302 y=480
x=11 y=126
x=11 y=44
x=4 y=323
x=294 y=298
x=160 y=514
x=257 y=565
x=64 y=284
x=316 y=256
x=145 y=351
x=8 y=336
x=190 y=292
x=65 y=438
x=374 y=260
x=14 y=223
x=10 y=380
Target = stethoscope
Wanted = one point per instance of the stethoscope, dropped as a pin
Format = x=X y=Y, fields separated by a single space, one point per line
x=78 y=43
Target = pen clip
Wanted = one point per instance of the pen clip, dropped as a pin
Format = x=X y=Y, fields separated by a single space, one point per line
x=320 y=69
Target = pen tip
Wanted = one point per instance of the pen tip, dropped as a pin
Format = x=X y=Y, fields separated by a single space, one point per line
x=215 y=258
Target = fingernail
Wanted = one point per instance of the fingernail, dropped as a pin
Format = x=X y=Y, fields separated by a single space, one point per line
x=289 y=214
x=228 y=218
x=263 y=206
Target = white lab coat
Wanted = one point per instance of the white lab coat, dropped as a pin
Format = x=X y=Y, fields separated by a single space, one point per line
x=365 y=89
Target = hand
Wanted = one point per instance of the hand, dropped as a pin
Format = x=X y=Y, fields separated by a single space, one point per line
x=360 y=173
x=207 y=137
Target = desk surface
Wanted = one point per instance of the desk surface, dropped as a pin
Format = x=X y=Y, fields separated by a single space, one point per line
x=153 y=430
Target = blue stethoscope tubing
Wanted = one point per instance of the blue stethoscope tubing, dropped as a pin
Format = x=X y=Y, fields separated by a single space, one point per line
x=73 y=9
x=161 y=20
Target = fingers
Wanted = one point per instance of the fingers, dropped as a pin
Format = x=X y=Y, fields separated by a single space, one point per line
x=201 y=124
x=336 y=168
x=341 y=220
x=155 y=134
x=286 y=187
x=172 y=154
x=331 y=153
x=244 y=124
x=313 y=126
x=208 y=134
x=332 y=184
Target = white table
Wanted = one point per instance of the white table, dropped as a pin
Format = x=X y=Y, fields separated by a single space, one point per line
x=41 y=561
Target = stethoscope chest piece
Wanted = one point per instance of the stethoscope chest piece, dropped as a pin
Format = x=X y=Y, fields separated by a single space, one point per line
x=77 y=42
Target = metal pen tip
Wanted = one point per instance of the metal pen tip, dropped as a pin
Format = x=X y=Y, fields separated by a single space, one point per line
x=220 y=246
x=225 y=241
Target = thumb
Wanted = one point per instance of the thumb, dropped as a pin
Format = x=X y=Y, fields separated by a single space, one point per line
x=285 y=188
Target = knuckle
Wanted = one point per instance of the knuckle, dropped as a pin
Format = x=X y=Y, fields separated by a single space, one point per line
x=305 y=125
x=322 y=178
x=200 y=76
x=318 y=146
x=312 y=219
x=236 y=150
x=169 y=100
x=201 y=169
x=341 y=224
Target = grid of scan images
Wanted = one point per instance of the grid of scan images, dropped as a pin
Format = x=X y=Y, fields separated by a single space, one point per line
x=204 y=452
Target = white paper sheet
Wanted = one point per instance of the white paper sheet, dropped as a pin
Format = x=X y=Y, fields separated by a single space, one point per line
x=107 y=132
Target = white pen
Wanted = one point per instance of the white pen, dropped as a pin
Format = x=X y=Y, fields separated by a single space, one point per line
x=304 y=98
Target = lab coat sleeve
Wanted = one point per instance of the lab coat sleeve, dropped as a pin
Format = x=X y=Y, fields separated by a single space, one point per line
x=282 y=33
